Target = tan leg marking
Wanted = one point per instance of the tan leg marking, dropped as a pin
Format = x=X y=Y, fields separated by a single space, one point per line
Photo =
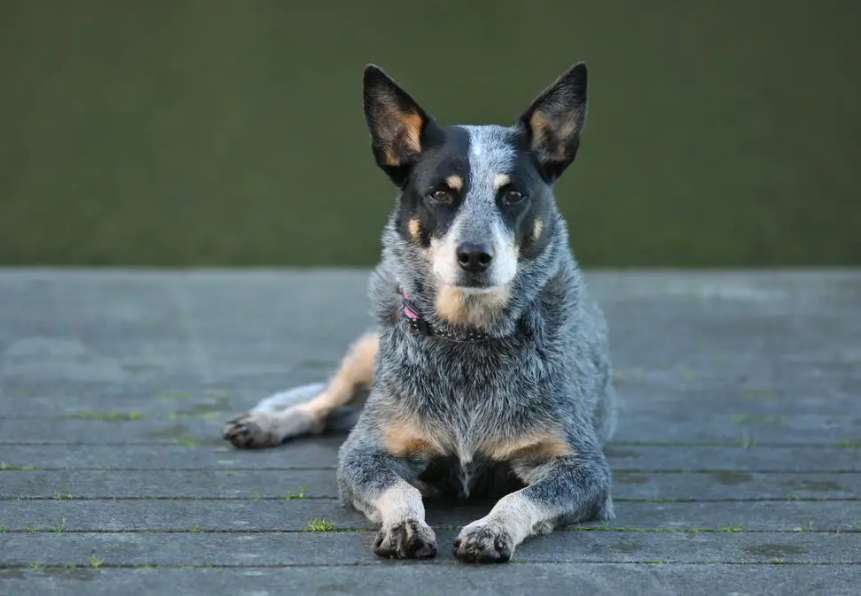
x=356 y=371
x=267 y=429
x=476 y=310
x=537 y=446
x=404 y=438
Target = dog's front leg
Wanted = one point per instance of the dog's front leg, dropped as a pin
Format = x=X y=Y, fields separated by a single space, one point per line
x=565 y=489
x=369 y=479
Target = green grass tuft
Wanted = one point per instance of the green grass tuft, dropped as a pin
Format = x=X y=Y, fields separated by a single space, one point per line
x=107 y=416
x=319 y=525
x=175 y=395
x=5 y=467
x=300 y=494
x=747 y=442
x=188 y=442
x=95 y=562
x=849 y=444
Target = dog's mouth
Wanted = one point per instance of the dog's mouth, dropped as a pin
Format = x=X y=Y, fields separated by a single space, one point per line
x=479 y=288
x=477 y=283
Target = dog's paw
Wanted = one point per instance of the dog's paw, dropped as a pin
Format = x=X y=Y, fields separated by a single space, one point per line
x=251 y=431
x=482 y=543
x=409 y=539
x=265 y=429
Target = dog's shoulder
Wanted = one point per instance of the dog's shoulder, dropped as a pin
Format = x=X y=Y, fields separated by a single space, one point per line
x=384 y=293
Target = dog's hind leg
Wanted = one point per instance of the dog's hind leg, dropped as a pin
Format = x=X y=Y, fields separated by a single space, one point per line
x=567 y=489
x=279 y=417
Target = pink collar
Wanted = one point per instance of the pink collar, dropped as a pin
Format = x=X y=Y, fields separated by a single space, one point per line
x=420 y=326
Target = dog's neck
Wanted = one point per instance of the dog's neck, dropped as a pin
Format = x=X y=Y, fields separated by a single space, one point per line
x=421 y=326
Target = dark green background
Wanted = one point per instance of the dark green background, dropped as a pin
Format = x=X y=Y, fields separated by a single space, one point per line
x=216 y=132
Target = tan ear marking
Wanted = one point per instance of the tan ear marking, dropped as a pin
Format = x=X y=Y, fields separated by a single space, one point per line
x=406 y=137
x=544 y=136
x=538 y=123
x=391 y=158
x=412 y=124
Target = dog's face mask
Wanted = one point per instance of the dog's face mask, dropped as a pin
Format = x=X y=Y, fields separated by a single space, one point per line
x=475 y=199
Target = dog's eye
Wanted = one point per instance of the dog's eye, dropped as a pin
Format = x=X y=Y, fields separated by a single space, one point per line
x=512 y=197
x=441 y=197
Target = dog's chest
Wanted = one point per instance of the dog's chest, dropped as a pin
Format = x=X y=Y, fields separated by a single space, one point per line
x=471 y=451
x=481 y=477
x=468 y=409
x=462 y=458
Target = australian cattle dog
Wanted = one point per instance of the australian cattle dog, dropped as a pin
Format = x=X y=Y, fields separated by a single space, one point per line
x=488 y=371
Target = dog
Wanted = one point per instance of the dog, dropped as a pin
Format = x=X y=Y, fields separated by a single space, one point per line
x=489 y=370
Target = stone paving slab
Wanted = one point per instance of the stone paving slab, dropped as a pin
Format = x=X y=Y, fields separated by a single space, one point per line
x=393 y=578
x=736 y=463
x=320 y=452
x=112 y=408
x=293 y=515
x=322 y=548
x=256 y=484
x=669 y=426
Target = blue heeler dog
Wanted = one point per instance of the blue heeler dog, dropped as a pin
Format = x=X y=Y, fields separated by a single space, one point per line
x=489 y=370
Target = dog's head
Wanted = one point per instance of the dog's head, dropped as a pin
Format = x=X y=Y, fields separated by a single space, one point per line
x=476 y=201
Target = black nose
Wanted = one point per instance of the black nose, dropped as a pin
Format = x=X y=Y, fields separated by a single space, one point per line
x=474 y=258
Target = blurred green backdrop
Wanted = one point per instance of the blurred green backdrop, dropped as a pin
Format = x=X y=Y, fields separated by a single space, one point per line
x=230 y=132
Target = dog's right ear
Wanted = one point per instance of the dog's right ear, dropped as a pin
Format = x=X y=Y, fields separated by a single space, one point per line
x=398 y=125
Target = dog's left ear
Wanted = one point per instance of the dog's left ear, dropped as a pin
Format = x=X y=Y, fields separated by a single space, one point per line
x=399 y=127
x=554 y=121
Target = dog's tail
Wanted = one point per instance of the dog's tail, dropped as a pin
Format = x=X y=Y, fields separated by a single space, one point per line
x=310 y=409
